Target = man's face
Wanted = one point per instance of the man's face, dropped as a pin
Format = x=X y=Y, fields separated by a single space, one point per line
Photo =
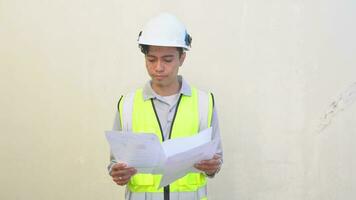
x=162 y=65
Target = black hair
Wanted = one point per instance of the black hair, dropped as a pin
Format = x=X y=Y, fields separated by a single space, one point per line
x=145 y=48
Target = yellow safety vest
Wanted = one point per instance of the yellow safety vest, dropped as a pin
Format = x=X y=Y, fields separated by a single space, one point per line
x=186 y=122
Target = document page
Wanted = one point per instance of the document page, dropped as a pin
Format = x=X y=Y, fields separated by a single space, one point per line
x=178 y=145
x=173 y=158
x=178 y=165
x=142 y=151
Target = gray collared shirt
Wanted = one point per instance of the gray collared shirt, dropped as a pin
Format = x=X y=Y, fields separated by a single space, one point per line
x=165 y=112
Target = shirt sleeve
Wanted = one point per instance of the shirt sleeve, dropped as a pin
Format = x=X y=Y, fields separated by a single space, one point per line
x=117 y=124
x=216 y=131
x=216 y=136
x=116 y=127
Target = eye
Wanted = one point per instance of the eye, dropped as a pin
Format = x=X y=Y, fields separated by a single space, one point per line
x=168 y=60
x=151 y=60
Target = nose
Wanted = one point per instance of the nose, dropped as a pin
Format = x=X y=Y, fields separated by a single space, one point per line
x=159 y=66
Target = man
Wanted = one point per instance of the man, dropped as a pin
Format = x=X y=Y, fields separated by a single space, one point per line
x=169 y=107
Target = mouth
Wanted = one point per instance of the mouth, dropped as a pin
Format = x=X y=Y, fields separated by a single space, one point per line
x=159 y=77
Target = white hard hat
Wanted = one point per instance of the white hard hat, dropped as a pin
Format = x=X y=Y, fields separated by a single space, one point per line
x=165 y=30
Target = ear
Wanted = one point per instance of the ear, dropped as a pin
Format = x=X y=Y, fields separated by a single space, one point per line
x=182 y=58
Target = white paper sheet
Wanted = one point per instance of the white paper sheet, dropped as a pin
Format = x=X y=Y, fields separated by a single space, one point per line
x=142 y=151
x=173 y=158
x=179 y=145
x=178 y=165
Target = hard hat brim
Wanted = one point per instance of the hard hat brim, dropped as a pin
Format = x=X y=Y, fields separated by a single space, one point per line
x=165 y=44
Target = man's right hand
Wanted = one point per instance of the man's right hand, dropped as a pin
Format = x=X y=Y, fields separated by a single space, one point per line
x=121 y=173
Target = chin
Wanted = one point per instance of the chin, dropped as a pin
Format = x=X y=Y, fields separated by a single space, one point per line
x=158 y=82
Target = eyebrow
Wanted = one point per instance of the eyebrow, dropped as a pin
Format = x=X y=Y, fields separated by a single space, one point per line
x=165 y=56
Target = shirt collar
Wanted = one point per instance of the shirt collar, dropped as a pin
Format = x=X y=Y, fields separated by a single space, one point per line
x=149 y=93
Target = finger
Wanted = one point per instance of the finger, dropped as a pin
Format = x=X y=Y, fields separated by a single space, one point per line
x=208 y=171
x=121 y=169
x=216 y=158
x=122 y=180
x=210 y=162
x=123 y=172
x=119 y=166
x=205 y=167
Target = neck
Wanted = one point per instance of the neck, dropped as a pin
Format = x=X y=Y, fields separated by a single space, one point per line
x=167 y=90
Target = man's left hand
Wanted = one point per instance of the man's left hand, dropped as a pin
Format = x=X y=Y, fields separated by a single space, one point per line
x=210 y=166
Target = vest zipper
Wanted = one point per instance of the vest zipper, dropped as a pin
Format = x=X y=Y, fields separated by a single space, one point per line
x=166 y=188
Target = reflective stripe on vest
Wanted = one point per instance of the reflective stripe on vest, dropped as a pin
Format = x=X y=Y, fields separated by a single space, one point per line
x=193 y=113
x=200 y=194
x=126 y=110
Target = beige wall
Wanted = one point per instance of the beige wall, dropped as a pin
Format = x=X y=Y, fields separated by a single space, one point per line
x=274 y=67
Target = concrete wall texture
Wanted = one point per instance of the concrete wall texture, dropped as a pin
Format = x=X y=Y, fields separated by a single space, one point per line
x=283 y=73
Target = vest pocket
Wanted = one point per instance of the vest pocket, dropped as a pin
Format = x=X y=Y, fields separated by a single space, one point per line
x=142 y=179
x=190 y=179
